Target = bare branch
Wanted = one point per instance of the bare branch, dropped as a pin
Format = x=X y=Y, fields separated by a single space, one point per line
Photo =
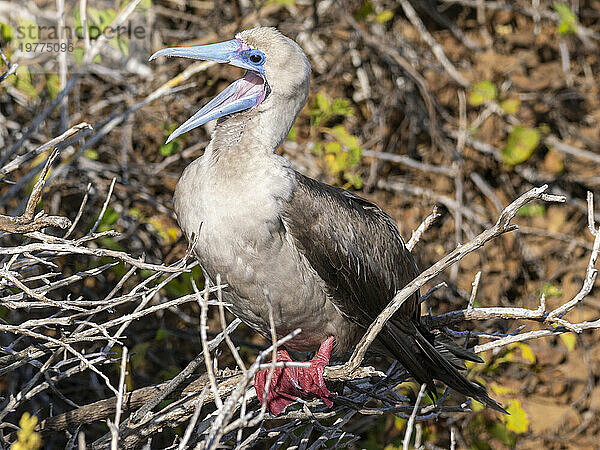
x=416 y=235
x=411 y=421
x=27 y=222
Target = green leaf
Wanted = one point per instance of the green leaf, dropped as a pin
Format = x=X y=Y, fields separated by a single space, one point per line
x=169 y=149
x=550 y=290
x=135 y=212
x=544 y=128
x=23 y=83
x=27 y=438
x=340 y=134
x=339 y=162
x=384 y=16
x=162 y=333
x=6 y=32
x=521 y=144
x=120 y=44
x=145 y=273
x=97 y=21
x=53 y=85
x=477 y=406
x=341 y=107
x=106 y=18
x=322 y=102
x=569 y=340
x=280 y=2
x=333 y=148
x=168 y=374
x=91 y=154
x=144 y=5
x=526 y=352
x=169 y=234
x=172 y=147
x=482 y=92
x=109 y=218
x=79 y=53
x=399 y=423
x=342 y=155
x=508 y=356
x=567 y=19
x=292 y=134
x=503 y=434
x=28 y=32
x=510 y=105
x=517 y=421
x=501 y=390
x=182 y=284
x=324 y=109
x=317 y=149
x=335 y=157
x=77 y=22
x=111 y=244
x=365 y=10
x=531 y=210
x=138 y=354
x=354 y=179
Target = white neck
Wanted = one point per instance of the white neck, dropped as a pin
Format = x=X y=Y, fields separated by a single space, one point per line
x=258 y=131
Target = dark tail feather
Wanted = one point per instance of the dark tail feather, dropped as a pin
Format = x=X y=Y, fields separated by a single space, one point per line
x=425 y=362
x=452 y=352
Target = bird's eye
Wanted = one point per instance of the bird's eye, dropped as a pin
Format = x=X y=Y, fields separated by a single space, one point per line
x=256 y=58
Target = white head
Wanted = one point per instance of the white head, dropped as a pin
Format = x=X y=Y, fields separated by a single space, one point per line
x=277 y=77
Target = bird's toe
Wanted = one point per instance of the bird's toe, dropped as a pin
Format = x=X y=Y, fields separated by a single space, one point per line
x=290 y=384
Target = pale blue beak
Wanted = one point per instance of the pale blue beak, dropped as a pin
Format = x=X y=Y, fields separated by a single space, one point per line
x=246 y=93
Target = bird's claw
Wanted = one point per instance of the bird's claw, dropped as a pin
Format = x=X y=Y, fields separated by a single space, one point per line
x=290 y=384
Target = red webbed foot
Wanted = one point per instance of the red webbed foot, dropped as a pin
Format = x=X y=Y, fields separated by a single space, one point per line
x=290 y=384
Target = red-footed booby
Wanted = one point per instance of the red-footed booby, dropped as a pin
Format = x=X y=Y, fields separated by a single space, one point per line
x=326 y=259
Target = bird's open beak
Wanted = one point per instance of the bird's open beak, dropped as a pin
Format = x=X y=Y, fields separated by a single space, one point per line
x=243 y=94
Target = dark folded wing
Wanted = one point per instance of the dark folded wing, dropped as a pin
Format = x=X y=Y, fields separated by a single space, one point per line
x=357 y=250
x=354 y=246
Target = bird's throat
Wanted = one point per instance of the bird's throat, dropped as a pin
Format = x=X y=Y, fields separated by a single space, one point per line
x=257 y=131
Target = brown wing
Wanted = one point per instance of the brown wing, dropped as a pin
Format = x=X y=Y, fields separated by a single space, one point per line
x=354 y=246
x=357 y=250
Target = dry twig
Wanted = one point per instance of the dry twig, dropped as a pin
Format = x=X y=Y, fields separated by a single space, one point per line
x=27 y=222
